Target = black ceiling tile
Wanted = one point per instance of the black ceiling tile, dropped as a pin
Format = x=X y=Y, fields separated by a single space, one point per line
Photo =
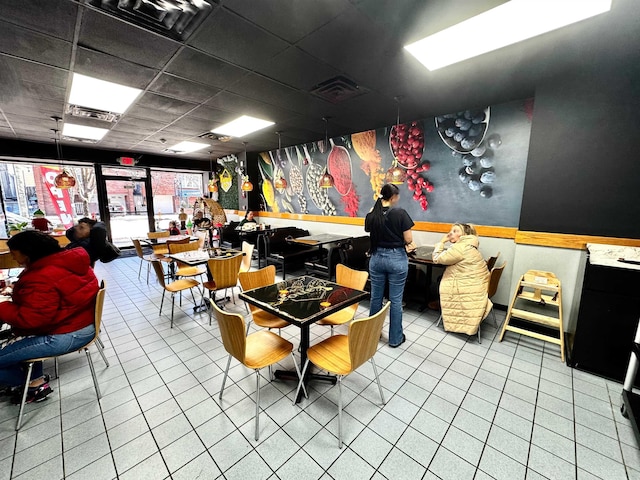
x=113 y=69
x=192 y=124
x=33 y=72
x=53 y=18
x=164 y=104
x=231 y=38
x=138 y=111
x=197 y=66
x=115 y=37
x=242 y=105
x=33 y=107
x=213 y=114
x=31 y=45
x=296 y=68
x=289 y=19
x=182 y=89
x=39 y=90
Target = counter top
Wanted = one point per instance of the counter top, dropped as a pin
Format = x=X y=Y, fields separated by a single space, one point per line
x=611 y=256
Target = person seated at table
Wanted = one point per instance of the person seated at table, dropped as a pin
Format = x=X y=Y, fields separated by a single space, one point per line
x=90 y=235
x=463 y=289
x=173 y=228
x=249 y=222
x=51 y=309
x=200 y=222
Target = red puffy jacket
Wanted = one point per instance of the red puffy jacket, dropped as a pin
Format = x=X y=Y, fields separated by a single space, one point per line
x=54 y=295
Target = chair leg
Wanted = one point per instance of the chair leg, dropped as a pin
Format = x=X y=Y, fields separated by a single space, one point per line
x=93 y=373
x=304 y=389
x=340 y=411
x=257 y=403
x=479 y=341
x=100 y=347
x=224 y=379
x=375 y=370
x=24 y=395
x=439 y=321
x=304 y=369
x=162 y=302
x=495 y=320
x=173 y=295
x=140 y=268
x=248 y=325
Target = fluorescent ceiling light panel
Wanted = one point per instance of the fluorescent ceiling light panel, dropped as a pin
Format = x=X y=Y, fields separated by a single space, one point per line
x=504 y=25
x=242 y=126
x=80 y=131
x=187 y=147
x=101 y=95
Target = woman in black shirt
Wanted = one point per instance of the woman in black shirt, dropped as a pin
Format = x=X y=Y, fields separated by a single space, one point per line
x=390 y=230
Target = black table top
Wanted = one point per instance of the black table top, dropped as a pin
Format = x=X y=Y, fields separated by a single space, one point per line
x=320 y=239
x=303 y=300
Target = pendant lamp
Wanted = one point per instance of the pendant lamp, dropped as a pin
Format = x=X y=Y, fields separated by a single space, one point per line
x=326 y=180
x=246 y=186
x=64 y=180
x=396 y=174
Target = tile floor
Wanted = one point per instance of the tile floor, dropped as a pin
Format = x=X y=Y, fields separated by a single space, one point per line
x=455 y=409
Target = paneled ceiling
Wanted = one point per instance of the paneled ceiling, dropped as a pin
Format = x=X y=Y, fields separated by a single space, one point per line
x=265 y=58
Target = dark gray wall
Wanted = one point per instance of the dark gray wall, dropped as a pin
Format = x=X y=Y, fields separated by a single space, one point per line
x=583 y=171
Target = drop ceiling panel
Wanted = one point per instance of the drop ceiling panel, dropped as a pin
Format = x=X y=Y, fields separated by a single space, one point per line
x=181 y=89
x=202 y=68
x=292 y=20
x=212 y=114
x=233 y=39
x=138 y=111
x=164 y=104
x=191 y=125
x=53 y=18
x=31 y=45
x=112 y=36
x=112 y=69
x=298 y=69
x=239 y=105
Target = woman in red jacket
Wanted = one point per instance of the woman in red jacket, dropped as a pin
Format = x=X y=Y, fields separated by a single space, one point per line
x=52 y=308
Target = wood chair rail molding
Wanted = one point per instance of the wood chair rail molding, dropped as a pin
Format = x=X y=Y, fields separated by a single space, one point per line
x=544 y=239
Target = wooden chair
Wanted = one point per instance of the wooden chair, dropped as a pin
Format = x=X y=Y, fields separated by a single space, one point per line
x=184 y=270
x=145 y=258
x=224 y=271
x=164 y=233
x=163 y=248
x=494 y=280
x=177 y=286
x=7 y=261
x=347 y=277
x=247 y=249
x=261 y=278
x=97 y=321
x=256 y=351
x=491 y=261
x=343 y=354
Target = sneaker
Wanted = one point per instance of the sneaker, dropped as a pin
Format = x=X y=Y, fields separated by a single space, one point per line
x=404 y=339
x=34 y=394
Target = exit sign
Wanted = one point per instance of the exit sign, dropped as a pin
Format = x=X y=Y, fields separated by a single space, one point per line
x=127 y=161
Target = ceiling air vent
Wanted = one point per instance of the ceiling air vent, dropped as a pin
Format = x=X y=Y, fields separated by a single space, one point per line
x=83 y=112
x=176 y=19
x=215 y=136
x=81 y=140
x=338 y=89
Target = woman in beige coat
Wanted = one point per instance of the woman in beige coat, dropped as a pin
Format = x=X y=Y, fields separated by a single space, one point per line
x=463 y=289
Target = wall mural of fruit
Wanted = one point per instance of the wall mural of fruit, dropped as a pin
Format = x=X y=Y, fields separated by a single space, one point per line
x=463 y=166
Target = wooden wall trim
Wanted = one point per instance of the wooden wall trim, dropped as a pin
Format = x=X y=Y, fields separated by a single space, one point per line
x=575 y=242
x=557 y=240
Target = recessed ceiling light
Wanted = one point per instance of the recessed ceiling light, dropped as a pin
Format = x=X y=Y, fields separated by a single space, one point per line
x=100 y=94
x=242 y=126
x=80 y=131
x=187 y=147
x=504 y=25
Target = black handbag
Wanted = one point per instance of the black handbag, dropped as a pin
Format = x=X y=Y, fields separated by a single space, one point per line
x=110 y=253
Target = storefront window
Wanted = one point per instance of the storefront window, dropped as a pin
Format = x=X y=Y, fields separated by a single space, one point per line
x=29 y=188
x=173 y=191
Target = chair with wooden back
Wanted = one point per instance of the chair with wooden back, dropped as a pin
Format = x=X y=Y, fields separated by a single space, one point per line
x=494 y=280
x=247 y=249
x=256 y=351
x=491 y=261
x=177 y=286
x=97 y=322
x=163 y=248
x=224 y=271
x=163 y=233
x=347 y=277
x=7 y=261
x=185 y=270
x=256 y=279
x=144 y=258
x=343 y=354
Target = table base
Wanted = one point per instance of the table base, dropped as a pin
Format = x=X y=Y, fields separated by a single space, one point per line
x=291 y=375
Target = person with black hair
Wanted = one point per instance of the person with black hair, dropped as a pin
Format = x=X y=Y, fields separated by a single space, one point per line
x=248 y=219
x=390 y=230
x=51 y=309
x=90 y=235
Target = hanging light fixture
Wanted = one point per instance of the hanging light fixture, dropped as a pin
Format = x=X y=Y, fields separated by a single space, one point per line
x=64 y=179
x=396 y=174
x=213 y=179
x=281 y=183
x=246 y=186
x=326 y=180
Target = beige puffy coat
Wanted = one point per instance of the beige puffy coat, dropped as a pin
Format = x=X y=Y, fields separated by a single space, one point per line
x=463 y=289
